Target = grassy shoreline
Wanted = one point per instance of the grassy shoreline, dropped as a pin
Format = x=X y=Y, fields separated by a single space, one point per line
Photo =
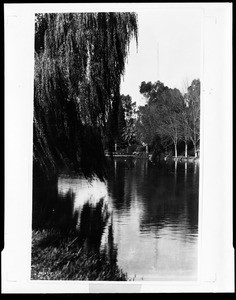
x=58 y=256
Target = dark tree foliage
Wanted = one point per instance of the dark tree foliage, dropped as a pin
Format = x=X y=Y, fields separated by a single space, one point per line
x=159 y=119
x=79 y=61
x=169 y=116
x=129 y=132
x=121 y=126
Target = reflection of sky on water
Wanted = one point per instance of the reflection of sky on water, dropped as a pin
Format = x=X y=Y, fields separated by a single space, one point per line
x=86 y=192
x=168 y=253
x=148 y=215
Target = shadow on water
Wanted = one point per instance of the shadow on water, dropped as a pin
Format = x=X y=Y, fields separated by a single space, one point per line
x=93 y=220
x=52 y=210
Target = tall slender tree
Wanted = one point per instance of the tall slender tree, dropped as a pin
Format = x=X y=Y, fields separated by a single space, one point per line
x=193 y=104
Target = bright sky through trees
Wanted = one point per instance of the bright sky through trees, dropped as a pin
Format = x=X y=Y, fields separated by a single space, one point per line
x=169 y=50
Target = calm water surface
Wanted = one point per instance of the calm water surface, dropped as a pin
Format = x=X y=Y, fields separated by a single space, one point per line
x=145 y=217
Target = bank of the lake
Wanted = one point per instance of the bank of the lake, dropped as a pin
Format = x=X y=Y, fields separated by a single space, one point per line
x=58 y=256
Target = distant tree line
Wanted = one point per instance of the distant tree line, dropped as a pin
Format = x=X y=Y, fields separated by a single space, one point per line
x=168 y=118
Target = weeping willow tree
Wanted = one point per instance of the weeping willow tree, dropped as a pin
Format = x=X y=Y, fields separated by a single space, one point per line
x=79 y=61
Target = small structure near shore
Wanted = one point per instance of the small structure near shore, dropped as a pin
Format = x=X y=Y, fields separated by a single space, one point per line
x=182 y=158
x=134 y=155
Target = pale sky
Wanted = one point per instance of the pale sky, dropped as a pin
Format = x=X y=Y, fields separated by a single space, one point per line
x=175 y=34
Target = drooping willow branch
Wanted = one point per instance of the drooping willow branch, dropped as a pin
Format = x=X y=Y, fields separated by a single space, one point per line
x=79 y=61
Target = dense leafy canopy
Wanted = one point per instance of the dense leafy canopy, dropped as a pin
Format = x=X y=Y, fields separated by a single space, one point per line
x=79 y=60
x=169 y=116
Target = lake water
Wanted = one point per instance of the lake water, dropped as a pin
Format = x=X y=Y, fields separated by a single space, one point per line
x=145 y=217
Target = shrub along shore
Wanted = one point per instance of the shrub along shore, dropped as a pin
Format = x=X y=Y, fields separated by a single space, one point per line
x=58 y=256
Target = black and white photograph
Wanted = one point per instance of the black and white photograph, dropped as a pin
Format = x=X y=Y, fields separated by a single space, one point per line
x=116 y=154
x=119 y=149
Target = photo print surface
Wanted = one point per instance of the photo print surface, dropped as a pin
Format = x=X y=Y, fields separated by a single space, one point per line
x=116 y=145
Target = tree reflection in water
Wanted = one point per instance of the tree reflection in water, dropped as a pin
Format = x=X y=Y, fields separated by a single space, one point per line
x=143 y=211
x=93 y=220
x=165 y=194
x=156 y=213
x=67 y=206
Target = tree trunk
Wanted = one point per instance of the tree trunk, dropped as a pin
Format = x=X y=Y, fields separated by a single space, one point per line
x=186 y=149
x=176 y=154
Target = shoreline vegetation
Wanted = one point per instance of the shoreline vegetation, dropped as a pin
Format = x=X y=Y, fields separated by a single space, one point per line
x=59 y=256
x=144 y=155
